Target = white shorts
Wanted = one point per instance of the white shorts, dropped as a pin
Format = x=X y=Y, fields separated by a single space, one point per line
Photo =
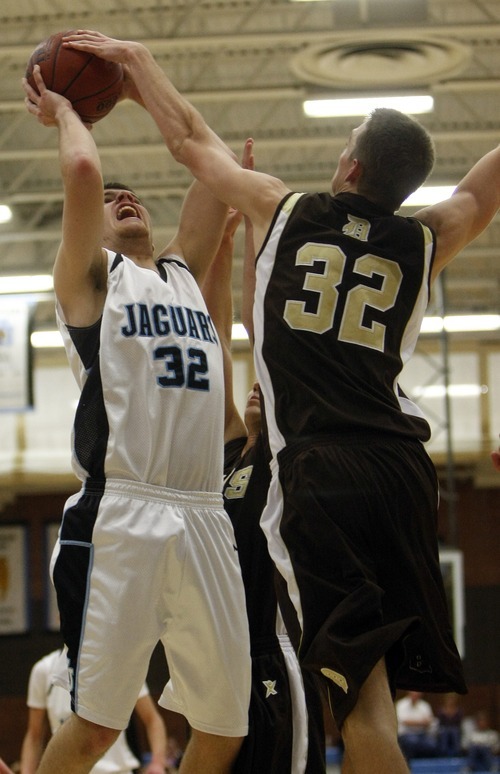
x=136 y=564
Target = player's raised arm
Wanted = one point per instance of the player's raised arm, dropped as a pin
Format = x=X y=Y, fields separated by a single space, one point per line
x=458 y=220
x=201 y=225
x=78 y=277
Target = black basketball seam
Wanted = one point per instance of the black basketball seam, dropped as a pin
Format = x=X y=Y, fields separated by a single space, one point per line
x=96 y=94
x=77 y=75
x=54 y=62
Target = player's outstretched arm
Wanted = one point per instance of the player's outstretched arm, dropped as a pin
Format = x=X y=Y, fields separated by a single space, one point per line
x=217 y=292
x=201 y=225
x=461 y=218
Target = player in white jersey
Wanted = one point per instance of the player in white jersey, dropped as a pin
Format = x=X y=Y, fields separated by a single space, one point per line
x=47 y=701
x=146 y=551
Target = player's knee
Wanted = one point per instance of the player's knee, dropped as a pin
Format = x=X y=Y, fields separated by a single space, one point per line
x=95 y=739
x=214 y=747
x=377 y=729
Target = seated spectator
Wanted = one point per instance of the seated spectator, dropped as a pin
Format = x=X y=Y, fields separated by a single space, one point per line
x=416 y=726
x=50 y=706
x=449 y=730
x=483 y=744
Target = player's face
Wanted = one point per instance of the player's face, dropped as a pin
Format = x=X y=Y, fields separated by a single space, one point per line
x=125 y=214
x=253 y=419
x=345 y=162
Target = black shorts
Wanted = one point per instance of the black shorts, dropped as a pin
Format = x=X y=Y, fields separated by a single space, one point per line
x=285 y=729
x=358 y=523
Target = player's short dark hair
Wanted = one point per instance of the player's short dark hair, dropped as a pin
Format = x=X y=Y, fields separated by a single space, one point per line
x=113 y=186
x=397 y=155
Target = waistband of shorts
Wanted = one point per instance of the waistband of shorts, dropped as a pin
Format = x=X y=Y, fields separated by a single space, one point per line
x=285 y=643
x=352 y=440
x=141 y=491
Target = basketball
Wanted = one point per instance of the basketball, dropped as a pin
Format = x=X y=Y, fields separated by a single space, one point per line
x=91 y=84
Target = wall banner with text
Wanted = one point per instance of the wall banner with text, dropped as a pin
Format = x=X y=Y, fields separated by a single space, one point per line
x=16 y=366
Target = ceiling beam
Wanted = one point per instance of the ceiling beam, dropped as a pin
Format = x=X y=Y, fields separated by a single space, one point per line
x=49 y=154
x=234 y=41
x=288 y=92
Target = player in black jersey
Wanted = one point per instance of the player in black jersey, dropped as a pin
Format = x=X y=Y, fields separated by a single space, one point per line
x=286 y=731
x=342 y=284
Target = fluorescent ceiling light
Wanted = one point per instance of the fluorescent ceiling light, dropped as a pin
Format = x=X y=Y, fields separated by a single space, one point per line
x=239 y=332
x=472 y=322
x=5 y=213
x=361 y=106
x=461 y=323
x=454 y=391
x=431 y=325
x=34 y=283
x=42 y=339
x=428 y=194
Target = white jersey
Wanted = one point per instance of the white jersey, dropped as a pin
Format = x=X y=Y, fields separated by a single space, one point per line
x=44 y=694
x=150 y=372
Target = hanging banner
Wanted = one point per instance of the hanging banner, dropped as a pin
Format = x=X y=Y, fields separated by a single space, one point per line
x=14 y=617
x=16 y=367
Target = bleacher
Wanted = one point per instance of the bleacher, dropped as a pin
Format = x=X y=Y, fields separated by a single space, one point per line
x=442 y=766
x=333 y=756
x=417 y=765
x=437 y=765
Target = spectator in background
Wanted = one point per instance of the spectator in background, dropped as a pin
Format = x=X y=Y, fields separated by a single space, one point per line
x=49 y=707
x=449 y=730
x=174 y=754
x=483 y=745
x=416 y=726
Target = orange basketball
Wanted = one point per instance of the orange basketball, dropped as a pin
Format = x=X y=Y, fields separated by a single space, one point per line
x=92 y=85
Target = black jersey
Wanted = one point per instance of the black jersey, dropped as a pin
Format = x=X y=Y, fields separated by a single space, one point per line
x=342 y=287
x=246 y=482
x=286 y=732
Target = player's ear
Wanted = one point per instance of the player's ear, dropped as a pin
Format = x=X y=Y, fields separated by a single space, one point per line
x=354 y=171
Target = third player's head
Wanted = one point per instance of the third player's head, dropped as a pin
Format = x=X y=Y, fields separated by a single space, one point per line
x=253 y=415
